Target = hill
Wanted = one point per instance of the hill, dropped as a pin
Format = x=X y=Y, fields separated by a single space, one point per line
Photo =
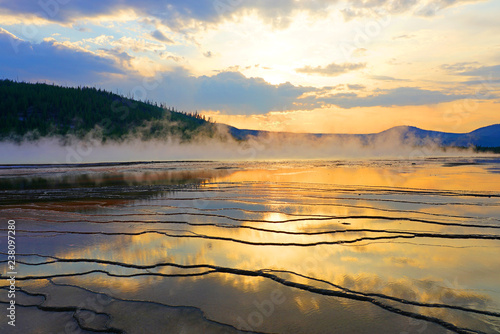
x=483 y=138
x=488 y=136
x=40 y=110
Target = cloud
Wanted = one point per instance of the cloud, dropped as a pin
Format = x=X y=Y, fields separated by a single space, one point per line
x=385 y=78
x=331 y=70
x=122 y=57
x=405 y=36
x=208 y=54
x=486 y=76
x=458 y=68
x=124 y=44
x=51 y=61
x=483 y=71
x=227 y=92
x=356 y=87
x=380 y=8
x=403 y=96
x=360 y=52
x=137 y=45
x=161 y=37
x=402 y=6
x=173 y=13
x=178 y=14
x=99 y=40
x=376 y=8
x=489 y=83
x=230 y=91
x=431 y=8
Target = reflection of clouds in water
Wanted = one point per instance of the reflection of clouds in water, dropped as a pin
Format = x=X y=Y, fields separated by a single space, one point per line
x=229 y=299
x=152 y=249
x=405 y=261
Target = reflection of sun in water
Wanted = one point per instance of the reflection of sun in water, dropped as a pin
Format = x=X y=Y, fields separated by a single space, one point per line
x=275 y=217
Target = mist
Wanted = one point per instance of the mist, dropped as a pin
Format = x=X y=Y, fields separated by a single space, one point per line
x=222 y=146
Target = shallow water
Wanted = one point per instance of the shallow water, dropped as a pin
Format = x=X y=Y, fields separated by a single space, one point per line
x=267 y=247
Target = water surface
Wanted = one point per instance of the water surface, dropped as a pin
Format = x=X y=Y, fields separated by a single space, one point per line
x=265 y=247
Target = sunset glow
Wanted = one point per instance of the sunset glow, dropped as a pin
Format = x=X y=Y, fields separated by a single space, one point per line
x=298 y=66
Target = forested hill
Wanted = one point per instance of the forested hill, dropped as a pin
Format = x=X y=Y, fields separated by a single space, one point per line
x=40 y=110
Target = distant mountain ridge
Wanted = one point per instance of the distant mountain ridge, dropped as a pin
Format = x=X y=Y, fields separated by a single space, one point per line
x=488 y=136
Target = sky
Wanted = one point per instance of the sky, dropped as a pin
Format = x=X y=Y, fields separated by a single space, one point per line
x=355 y=66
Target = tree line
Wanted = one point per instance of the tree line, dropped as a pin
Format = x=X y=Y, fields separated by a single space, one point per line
x=40 y=110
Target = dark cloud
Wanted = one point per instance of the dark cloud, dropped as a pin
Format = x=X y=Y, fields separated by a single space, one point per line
x=483 y=71
x=403 y=96
x=51 y=61
x=332 y=69
x=171 y=12
x=208 y=54
x=232 y=91
x=228 y=92
x=83 y=29
x=161 y=37
x=177 y=13
x=488 y=77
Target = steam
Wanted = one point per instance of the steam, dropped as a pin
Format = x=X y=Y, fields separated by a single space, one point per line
x=222 y=146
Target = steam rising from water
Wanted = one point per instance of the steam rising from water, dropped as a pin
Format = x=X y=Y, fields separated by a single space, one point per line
x=390 y=144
